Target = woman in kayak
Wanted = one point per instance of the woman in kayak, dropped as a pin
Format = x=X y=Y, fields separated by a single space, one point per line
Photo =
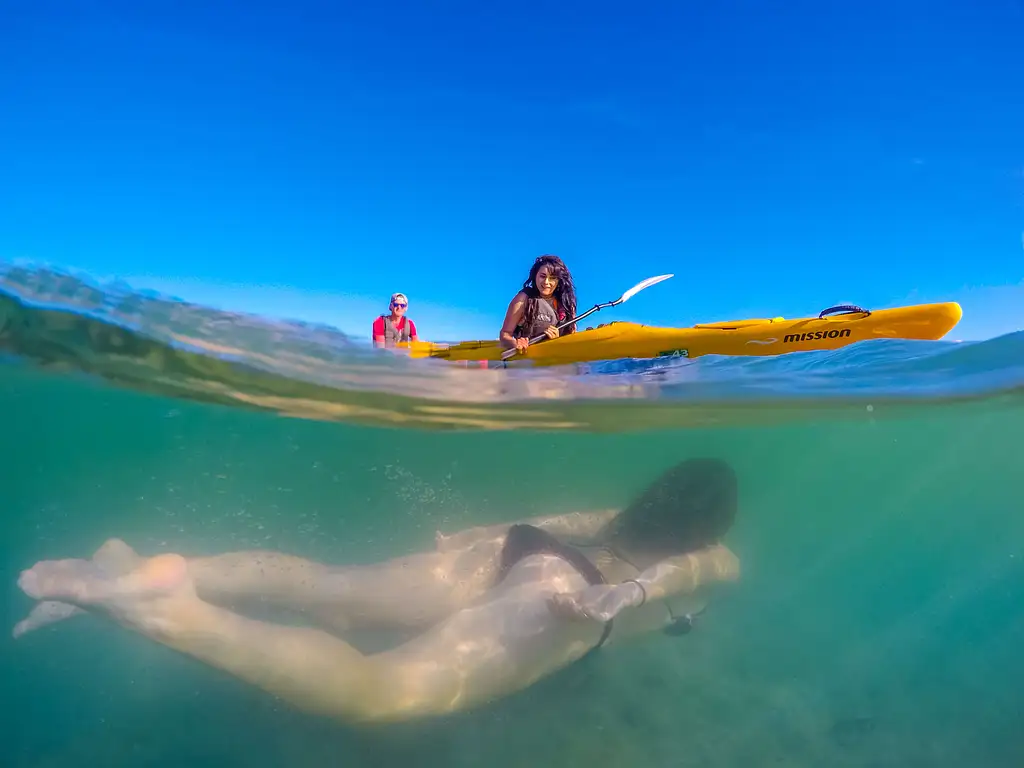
x=492 y=609
x=547 y=299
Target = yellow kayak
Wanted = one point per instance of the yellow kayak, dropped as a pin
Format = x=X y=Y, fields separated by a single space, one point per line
x=761 y=337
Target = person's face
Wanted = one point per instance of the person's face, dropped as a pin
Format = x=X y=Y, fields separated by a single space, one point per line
x=546 y=281
x=398 y=307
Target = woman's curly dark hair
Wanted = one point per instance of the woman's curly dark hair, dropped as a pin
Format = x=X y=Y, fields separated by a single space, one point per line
x=565 y=292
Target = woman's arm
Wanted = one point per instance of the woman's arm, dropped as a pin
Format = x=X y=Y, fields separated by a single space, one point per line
x=576 y=527
x=570 y=528
x=672 y=576
x=513 y=316
x=685 y=573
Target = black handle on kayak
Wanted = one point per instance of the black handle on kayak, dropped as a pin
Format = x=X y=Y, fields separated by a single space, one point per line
x=844 y=308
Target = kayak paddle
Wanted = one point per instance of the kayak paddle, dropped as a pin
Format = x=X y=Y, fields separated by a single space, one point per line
x=624 y=297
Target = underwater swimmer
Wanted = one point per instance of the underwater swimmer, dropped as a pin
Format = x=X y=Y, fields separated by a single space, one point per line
x=493 y=609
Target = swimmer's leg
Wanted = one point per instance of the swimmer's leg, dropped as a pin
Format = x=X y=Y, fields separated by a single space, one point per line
x=407 y=593
x=410 y=592
x=462 y=662
x=113 y=558
x=43 y=614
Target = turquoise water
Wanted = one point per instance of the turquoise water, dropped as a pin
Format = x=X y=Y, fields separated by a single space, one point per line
x=878 y=620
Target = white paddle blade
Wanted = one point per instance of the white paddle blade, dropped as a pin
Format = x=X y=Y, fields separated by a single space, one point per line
x=640 y=286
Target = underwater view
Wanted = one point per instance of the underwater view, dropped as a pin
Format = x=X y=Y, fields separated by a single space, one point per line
x=875 y=619
x=511 y=384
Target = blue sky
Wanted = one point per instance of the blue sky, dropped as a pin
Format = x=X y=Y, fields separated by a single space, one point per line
x=307 y=159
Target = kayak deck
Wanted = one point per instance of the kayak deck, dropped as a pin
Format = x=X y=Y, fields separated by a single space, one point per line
x=759 y=337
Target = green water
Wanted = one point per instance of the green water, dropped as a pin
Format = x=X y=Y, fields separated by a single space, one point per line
x=878 y=621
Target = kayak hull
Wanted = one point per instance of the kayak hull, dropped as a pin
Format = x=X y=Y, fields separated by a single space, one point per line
x=757 y=337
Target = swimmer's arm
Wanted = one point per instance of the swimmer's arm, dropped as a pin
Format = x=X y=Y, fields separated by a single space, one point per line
x=570 y=528
x=576 y=527
x=684 y=574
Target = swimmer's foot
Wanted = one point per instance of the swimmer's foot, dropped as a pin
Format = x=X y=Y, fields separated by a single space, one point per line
x=113 y=558
x=43 y=614
x=132 y=597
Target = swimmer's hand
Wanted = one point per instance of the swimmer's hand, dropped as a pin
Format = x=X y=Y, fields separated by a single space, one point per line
x=445 y=543
x=600 y=602
x=471 y=537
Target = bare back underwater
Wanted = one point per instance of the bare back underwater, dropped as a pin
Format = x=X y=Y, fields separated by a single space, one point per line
x=488 y=612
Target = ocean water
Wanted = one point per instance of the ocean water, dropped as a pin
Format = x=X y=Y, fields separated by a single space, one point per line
x=879 y=619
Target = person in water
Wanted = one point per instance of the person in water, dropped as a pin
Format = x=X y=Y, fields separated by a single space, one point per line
x=491 y=610
x=389 y=329
x=547 y=299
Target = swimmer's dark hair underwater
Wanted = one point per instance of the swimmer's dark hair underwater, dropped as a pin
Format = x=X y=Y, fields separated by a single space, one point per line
x=691 y=505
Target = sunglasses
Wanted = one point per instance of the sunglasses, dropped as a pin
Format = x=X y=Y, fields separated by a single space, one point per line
x=399 y=305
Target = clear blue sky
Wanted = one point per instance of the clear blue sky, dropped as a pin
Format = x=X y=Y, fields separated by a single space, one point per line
x=307 y=159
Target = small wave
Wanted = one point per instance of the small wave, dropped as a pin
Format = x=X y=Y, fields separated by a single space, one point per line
x=163 y=345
